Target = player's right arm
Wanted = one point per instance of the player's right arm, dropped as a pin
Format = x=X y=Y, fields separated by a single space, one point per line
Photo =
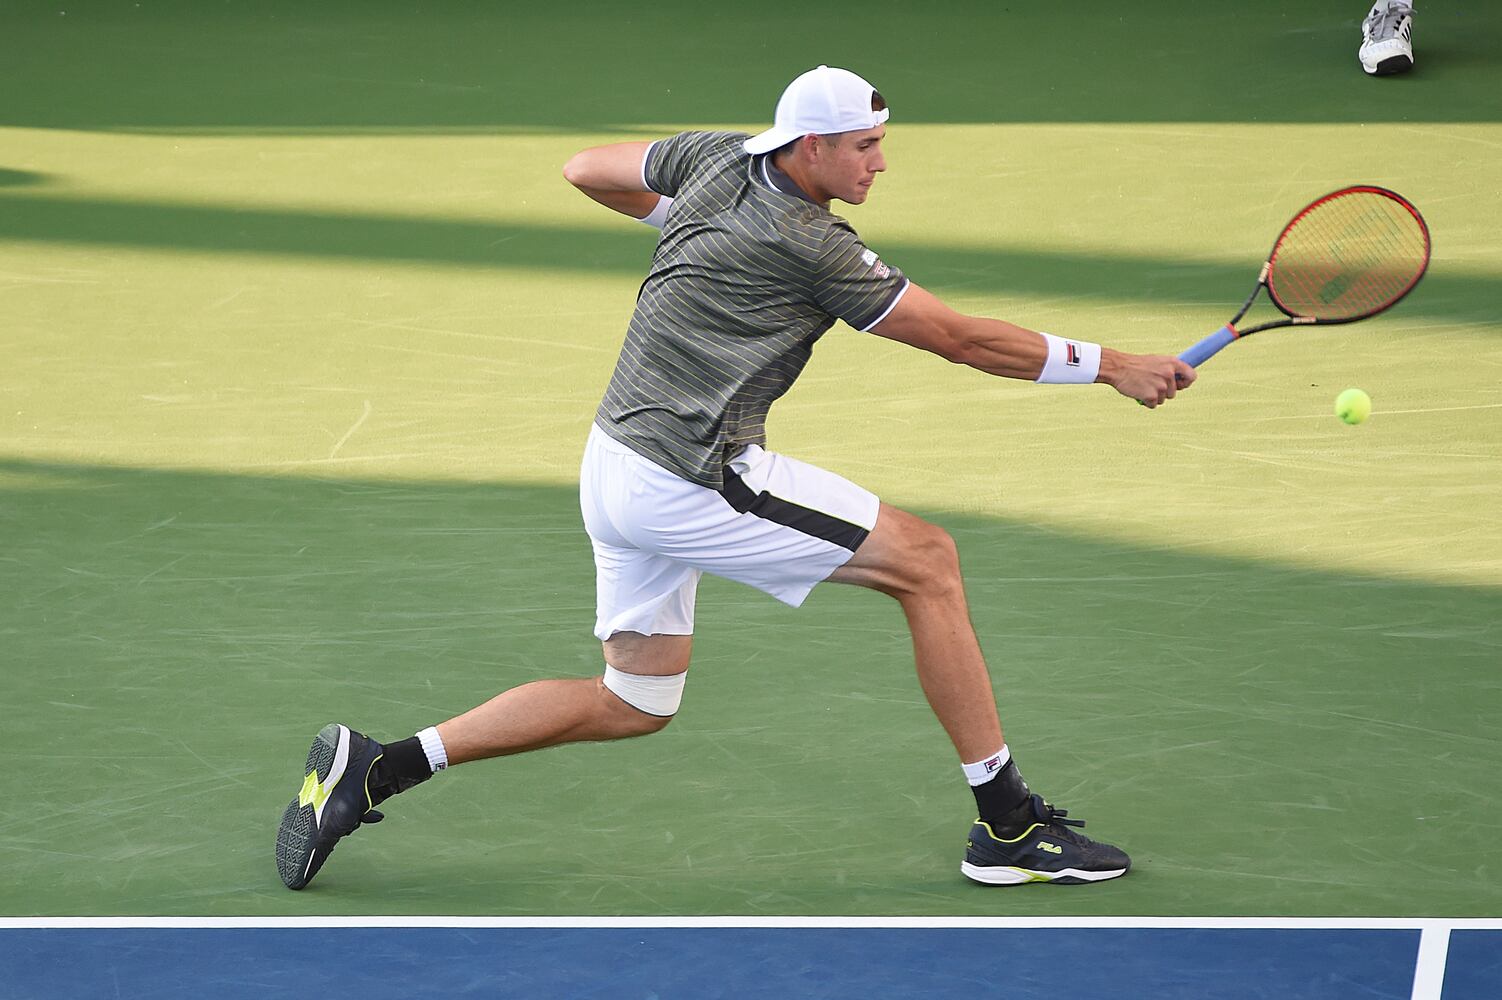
x=1000 y=348
x=612 y=176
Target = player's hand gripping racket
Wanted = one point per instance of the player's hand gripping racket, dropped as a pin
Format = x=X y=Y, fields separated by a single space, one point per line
x=1347 y=256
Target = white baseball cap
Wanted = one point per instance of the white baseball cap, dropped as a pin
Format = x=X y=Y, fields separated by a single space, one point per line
x=820 y=102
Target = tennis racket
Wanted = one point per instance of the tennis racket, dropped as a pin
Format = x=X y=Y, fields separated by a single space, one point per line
x=1349 y=255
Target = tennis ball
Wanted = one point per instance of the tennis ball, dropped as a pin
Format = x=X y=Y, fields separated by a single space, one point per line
x=1353 y=406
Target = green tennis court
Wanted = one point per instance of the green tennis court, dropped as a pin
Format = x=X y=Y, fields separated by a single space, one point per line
x=301 y=332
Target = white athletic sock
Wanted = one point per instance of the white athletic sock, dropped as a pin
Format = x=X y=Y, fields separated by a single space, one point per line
x=432 y=745
x=983 y=771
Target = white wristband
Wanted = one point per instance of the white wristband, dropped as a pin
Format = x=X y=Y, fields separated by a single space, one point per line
x=433 y=748
x=659 y=214
x=1075 y=362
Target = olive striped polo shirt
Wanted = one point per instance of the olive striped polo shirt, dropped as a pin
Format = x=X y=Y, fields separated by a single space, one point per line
x=748 y=274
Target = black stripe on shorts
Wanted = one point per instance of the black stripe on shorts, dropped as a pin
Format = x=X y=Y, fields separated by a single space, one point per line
x=796 y=516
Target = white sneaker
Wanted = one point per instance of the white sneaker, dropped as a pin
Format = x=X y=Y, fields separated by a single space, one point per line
x=1387 y=38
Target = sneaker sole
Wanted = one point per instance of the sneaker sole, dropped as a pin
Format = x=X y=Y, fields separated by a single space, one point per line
x=1389 y=66
x=1023 y=876
x=1386 y=58
x=297 y=837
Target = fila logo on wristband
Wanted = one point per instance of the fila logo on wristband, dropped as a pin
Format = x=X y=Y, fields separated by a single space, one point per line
x=993 y=763
x=1070 y=361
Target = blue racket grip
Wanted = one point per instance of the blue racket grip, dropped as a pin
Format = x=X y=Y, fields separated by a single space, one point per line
x=1207 y=348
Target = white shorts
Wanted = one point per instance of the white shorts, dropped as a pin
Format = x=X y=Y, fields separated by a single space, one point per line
x=780 y=525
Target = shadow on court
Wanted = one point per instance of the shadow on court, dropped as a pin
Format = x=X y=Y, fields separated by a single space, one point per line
x=361 y=66
x=1264 y=739
x=155 y=225
x=20 y=178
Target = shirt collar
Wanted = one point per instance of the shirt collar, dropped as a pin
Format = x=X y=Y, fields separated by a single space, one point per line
x=779 y=181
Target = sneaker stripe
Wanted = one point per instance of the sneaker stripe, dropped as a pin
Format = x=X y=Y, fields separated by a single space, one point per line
x=1008 y=840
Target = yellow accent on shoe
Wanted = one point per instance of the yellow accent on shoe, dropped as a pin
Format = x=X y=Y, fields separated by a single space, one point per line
x=1044 y=845
x=1004 y=840
x=369 y=799
x=312 y=792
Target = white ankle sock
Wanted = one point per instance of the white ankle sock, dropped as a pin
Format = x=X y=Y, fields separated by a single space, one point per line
x=983 y=771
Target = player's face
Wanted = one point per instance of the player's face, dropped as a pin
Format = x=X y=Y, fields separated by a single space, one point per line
x=850 y=166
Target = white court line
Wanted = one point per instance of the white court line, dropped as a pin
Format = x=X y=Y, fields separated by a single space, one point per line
x=1429 y=926
x=1429 y=976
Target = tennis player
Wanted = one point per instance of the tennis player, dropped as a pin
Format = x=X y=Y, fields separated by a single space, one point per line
x=751 y=268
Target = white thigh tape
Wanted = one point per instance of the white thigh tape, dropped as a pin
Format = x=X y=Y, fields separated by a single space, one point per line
x=658 y=696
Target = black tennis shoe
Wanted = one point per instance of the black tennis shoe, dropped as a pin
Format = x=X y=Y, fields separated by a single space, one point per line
x=335 y=798
x=1046 y=850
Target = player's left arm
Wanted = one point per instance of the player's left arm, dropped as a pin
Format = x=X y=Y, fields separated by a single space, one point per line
x=997 y=347
x=612 y=176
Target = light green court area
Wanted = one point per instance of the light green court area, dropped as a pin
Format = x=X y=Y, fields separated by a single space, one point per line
x=292 y=397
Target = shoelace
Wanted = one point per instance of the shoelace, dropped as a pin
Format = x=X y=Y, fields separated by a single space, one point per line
x=1048 y=814
x=1389 y=20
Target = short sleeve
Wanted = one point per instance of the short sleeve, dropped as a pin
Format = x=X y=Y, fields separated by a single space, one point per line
x=670 y=162
x=852 y=283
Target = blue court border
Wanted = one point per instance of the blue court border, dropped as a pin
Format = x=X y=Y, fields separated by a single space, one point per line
x=376 y=958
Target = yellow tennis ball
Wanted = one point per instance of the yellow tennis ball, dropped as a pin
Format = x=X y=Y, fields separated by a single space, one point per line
x=1353 y=406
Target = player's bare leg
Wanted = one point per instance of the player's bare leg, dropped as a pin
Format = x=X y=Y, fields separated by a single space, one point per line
x=1018 y=838
x=548 y=713
x=917 y=563
x=348 y=774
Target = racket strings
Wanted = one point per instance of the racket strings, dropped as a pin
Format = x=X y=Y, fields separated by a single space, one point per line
x=1348 y=256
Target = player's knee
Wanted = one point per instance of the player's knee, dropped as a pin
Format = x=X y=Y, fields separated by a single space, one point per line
x=932 y=560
